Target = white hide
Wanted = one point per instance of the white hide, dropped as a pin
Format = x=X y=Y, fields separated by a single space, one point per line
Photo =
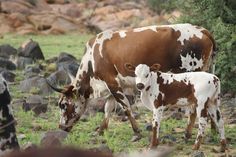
x=153 y=28
x=106 y=35
x=186 y=60
x=122 y=33
x=2 y=85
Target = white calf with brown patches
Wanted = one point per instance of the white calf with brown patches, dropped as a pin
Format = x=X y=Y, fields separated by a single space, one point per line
x=199 y=91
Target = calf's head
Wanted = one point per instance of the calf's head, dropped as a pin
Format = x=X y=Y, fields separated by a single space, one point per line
x=71 y=106
x=142 y=73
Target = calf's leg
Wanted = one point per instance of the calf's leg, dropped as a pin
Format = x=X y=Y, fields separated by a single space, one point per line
x=156 y=122
x=202 y=123
x=218 y=120
x=191 y=122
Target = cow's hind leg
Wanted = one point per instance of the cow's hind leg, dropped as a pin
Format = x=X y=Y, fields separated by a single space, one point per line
x=109 y=107
x=191 y=122
x=202 y=123
x=216 y=116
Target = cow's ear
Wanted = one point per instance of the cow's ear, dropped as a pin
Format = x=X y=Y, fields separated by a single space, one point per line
x=129 y=67
x=155 y=67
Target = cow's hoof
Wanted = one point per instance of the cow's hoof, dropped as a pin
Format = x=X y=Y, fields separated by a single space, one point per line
x=196 y=147
x=136 y=137
x=187 y=136
x=223 y=146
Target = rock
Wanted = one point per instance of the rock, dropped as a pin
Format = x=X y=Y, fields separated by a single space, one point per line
x=7 y=50
x=197 y=154
x=8 y=75
x=135 y=138
x=63 y=57
x=29 y=146
x=148 y=126
x=53 y=138
x=31 y=49
x=21 y=136
x=35 y=82
x=69 y=66
x=60 y=134
x=73 y=9
x=17 y=104
x=168 y=139
x=103 y=148
x=36 y=104
x=59 y=77
x=7 y=64
x=21 y=62
x=177 y=115
x=50 y=141
x=32 y=70
x=20 y=6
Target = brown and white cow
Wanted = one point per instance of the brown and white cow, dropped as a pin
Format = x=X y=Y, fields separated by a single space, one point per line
x=199 y=92
x=178 y=48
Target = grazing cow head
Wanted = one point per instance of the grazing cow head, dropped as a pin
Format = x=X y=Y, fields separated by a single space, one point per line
x=142 y=73
x=70 y=104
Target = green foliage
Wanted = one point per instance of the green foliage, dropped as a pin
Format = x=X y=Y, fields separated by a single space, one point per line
x=161 y=6
x=218 y=16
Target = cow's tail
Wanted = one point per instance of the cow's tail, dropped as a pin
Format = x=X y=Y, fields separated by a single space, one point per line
x=213 y=54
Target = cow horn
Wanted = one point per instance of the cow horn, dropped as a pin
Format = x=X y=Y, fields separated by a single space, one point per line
x=60 y=90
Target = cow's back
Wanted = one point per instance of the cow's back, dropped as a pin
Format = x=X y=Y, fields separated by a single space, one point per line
x=177 y=49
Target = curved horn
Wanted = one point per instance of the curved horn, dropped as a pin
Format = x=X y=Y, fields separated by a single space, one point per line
x=60 y=90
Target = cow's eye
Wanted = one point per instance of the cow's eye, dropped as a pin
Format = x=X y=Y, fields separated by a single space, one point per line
x=146 y=76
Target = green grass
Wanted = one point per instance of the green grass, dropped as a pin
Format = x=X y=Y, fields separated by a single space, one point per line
x=52 y=45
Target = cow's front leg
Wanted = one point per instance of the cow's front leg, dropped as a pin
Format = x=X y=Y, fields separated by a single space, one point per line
x=124 y=103
x=109 y=107
x=156 y=122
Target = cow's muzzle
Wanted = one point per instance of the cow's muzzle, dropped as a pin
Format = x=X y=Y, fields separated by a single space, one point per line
x=140 y=86
x=65 y=128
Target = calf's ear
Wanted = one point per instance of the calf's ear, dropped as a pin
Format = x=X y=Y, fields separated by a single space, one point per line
x=129 y=67
x=155 y=67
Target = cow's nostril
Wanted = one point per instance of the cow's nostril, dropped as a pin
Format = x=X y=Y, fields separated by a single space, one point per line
x=140 y=86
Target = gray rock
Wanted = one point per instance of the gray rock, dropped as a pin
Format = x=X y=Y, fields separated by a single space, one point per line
x=53 y=138
x=7 y=50
x=36 y=104
x=65 y=57
x=197 y=154
x=70 y=66
x=7 y=64
x=148 y=126
x=35 y=82
x=103 y=148
x=59 y=77
x=31 y=71
x=31 y=49
x=22 y=62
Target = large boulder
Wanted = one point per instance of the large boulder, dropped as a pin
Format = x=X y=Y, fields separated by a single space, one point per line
x=7 y=50
x=36 y=82
x=53 y=138
x=31 y=49
x=7 y=64
x=36 y=104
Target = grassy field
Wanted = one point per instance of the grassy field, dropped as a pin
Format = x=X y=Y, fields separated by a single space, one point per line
x=30 y=128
